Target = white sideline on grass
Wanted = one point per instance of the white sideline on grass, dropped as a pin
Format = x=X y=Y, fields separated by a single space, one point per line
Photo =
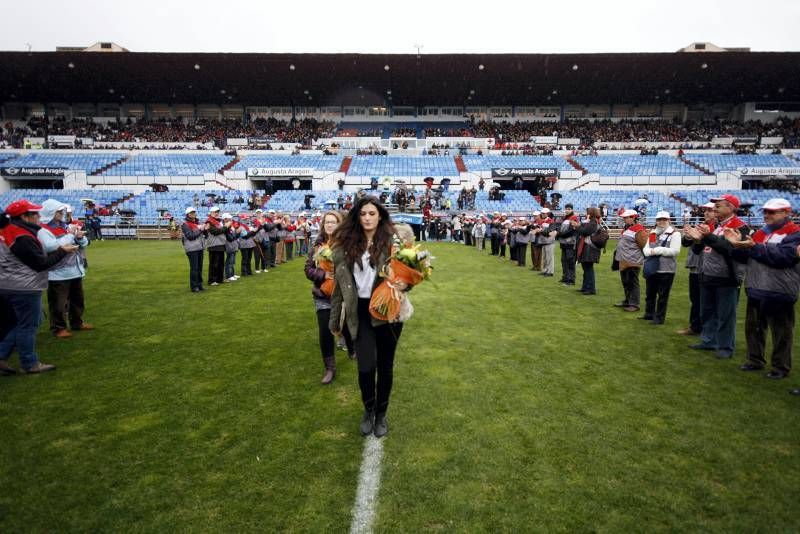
x=369 y=482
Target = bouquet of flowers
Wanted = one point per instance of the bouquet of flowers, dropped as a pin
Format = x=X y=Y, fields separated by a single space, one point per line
x=324 y=260
x=409 y=265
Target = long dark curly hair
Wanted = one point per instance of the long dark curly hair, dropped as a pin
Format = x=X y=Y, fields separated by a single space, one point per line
x=349 y=235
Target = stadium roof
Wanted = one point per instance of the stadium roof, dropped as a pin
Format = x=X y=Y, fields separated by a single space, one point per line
x=399 y=80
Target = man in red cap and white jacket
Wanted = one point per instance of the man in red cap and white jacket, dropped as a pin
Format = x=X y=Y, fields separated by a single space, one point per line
x=23 y=279
x=772 y=286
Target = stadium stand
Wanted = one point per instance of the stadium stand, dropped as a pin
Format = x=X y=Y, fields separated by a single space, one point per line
x=403 y=166
x=732 y=162
x=89 y=161
x=317 y=162
x=634 y=165
x=169 y=165
x=487 y=163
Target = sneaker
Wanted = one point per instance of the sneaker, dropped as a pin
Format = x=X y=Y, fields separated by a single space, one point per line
x=775 y=375
x=40 y=367
x=258 y=271
x=62 y=334
x=750 y=367
x=214 y=284
x=226 y=281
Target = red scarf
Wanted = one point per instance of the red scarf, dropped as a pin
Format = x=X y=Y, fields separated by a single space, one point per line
x=762 y=237
x=192 y=225
x=214 y=222
x=10 y=233
x=55 y=230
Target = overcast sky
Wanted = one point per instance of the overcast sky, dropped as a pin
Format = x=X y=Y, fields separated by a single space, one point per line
x=396 y=27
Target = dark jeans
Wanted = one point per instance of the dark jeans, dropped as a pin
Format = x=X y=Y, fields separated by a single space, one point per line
x=502 y=250
x=375 y=348
x=778 y=317
x=695 y=321
x=289 y=250
x=630 y=284
x=269 y=252
x=195 y=269
x=495 y=243
x=657 y=288
x=65 y=297
x=719 y=316
x=568 y=256
x=230 y=264
x=326 y=341
x=216 y=266
x=588 y=277
x=27 y=309
x=247 y=264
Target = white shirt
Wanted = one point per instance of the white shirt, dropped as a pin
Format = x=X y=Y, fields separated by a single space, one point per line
x=364 y=277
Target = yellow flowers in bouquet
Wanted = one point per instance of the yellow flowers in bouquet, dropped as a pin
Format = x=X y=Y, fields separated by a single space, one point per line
x=324 y=260
x=408 y=266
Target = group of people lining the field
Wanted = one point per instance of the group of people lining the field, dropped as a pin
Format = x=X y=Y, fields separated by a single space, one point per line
x=723 y=254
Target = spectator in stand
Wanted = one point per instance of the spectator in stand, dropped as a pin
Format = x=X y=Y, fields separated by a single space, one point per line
x=772 y=286
x=23 y=279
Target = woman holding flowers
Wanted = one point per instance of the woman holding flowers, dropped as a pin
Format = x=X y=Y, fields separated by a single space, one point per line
x=362 y=248
x=319 y=269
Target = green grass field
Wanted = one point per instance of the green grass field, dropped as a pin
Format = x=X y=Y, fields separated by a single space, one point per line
x=519 y=405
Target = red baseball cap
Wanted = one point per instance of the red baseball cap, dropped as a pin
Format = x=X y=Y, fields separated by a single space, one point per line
x=734 y=200
x=17 y=208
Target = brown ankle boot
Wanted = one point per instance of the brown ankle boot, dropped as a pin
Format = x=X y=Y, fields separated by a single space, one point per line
x=330 y=370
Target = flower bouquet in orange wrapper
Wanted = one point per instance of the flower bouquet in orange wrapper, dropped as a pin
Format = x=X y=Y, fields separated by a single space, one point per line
x=408 y=266
x=323 y=259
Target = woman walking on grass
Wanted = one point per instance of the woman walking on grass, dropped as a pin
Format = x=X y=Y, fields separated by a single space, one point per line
x=361 y=249
x=319 y=270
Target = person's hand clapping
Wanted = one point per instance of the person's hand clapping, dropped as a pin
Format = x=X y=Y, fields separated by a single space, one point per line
x=704 y=229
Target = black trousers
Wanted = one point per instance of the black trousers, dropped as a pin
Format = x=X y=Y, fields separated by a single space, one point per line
x=216 y=266
x=774 y=315
x=269 y=252
x=195 y=269
x=65 y=298
x=495 y=243
x=695 y=316
x=326 y=340
x=375 y=349
x=657 y=288
x=247 y=254
x=630 y=283
x=568 y=257
x=522 y=253
x=512 y=252
x=502 y=249
x=289 y=250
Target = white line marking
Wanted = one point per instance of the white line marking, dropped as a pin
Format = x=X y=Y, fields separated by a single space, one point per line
x=369 y=483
